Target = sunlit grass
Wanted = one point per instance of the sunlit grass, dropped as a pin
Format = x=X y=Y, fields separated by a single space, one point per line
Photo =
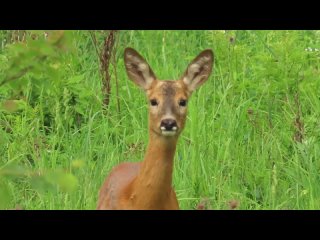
x=238 y=143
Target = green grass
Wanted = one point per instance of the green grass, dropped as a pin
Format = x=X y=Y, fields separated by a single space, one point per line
x=238 y=143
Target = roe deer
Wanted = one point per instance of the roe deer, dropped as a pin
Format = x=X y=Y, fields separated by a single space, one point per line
x=148 y=184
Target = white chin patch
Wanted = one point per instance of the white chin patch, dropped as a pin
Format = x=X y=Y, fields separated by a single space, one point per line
x=168 y=133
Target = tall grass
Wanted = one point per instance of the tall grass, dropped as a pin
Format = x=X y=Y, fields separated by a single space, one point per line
x=239 y=142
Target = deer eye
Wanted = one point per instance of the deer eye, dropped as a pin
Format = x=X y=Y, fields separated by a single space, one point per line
x=183 y=103
x=153 y=102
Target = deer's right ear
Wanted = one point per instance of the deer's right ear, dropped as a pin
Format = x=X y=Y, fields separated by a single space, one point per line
x=138 y=69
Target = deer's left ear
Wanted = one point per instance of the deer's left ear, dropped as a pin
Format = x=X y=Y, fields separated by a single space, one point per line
x=198 y=70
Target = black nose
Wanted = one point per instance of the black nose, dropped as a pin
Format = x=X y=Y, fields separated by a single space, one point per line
x=168 y=124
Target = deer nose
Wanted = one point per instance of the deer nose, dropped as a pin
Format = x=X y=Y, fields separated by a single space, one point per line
x=168 y=124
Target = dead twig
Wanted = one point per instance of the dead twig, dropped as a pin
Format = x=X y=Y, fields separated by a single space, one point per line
x=106 y=54
x=298 y=123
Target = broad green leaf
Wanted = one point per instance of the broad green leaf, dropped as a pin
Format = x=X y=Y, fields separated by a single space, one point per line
x=13 y=170
x=77 y=163
x=66 y=182
x=5 y=196
x=41 y=184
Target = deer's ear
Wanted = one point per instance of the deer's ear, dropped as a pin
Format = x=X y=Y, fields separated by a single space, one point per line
x=138 y=69
x=198 y=70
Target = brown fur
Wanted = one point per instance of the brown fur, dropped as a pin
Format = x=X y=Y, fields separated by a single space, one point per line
x=148 y=184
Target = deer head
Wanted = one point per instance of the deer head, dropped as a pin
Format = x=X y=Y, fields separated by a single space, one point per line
x=168 y=99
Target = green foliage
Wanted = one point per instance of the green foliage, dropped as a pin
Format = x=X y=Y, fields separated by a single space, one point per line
x=43 y=69
x=240 y=141
x=5 y=196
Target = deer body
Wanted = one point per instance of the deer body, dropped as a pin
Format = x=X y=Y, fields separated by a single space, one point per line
x=148 y=184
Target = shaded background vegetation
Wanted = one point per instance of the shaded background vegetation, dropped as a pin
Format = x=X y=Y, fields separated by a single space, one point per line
x=68 y=114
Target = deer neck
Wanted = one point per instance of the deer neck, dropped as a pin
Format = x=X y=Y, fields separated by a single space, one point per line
x=155 y=178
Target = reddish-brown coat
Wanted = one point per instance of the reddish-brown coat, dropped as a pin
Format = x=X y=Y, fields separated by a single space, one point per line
x=148 y=185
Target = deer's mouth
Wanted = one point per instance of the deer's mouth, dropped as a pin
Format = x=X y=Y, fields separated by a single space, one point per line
x=168 y=133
